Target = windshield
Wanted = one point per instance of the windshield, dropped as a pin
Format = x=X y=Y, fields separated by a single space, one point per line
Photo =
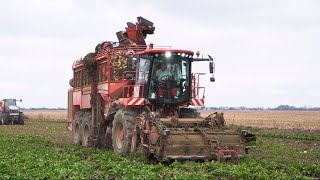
x=170 y=77
x=10 y=102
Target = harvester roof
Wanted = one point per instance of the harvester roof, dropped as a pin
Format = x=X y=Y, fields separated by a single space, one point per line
x=164 y=50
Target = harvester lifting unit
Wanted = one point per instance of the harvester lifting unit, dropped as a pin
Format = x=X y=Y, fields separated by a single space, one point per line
x=129 y=96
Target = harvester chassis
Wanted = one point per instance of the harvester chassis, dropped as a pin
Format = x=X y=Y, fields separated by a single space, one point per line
x=116 y=102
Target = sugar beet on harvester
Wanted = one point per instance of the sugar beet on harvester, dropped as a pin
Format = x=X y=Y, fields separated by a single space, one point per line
x=129 y=96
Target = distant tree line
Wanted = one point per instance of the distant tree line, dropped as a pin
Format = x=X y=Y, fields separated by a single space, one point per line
x=293 y=108
x=278 y=108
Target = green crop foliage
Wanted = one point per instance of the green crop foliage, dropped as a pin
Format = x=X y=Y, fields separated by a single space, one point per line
x=41 y=149
x=288 y=135
x=35 y=157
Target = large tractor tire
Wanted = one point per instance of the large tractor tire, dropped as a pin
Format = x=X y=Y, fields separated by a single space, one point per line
x=86 y=130
x=122 y=136
x=4 y=119
x=21 y=116
x=76 y=129
x=108 y=138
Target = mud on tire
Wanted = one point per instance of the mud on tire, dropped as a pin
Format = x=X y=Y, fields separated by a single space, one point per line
x=108 y=138
x=4 y=119
x=76 y=129
x=123 y=123
x=86 y=130
x=21 y=119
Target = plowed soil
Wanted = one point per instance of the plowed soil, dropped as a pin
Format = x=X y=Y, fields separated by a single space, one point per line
x=46 y=114
x=303 y=120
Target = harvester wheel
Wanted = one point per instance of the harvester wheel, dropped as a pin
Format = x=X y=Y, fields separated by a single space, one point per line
x=76 y=129
x=86 y=129
x=4 y=119
x=108 y=138
x=122 y=136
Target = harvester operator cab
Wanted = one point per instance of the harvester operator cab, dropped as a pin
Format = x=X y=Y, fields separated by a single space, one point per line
x=165 y=75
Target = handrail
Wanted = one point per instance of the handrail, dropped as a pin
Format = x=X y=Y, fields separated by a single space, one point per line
x=134 y=85
x=196 y=86
x=118 y=49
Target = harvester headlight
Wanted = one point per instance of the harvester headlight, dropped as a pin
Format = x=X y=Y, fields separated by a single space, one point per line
x=168 y=54
x=183 y=54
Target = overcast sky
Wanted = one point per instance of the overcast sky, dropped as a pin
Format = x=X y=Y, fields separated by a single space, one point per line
x=266 y=52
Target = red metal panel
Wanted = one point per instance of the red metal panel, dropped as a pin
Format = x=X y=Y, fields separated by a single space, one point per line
x=132 y=101
x=76 y=98
x=85 y=101
x=135 y=101
x=70 y=119
x=197 y=102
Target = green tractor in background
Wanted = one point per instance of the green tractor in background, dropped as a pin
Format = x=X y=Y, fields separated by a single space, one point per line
x=10 y=113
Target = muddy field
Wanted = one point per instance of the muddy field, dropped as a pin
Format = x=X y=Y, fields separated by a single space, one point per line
x=46 y=114
x=305 y=120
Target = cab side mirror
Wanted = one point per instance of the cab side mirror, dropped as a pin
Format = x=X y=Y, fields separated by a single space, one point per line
x=211 y=67
x=212 y=79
